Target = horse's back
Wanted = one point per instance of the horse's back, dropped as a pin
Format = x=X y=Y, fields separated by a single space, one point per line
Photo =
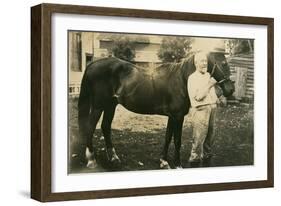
x=102 y=68
x=140 y=90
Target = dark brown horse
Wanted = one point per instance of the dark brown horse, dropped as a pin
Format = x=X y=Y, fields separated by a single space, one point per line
x=163 y=90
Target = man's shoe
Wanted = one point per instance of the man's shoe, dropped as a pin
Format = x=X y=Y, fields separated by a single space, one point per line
x=206 y=162
x=195 y=164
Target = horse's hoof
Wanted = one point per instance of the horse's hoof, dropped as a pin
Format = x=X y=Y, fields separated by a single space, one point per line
x=112 y=156
x=178 y=167
x=115 y=161
x=92 y=164
x=164 y=164
x=115 y=158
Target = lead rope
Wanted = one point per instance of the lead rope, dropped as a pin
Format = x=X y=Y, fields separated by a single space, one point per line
x=213 y=71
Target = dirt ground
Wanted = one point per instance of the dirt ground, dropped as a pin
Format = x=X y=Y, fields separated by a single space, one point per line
x=139 y=139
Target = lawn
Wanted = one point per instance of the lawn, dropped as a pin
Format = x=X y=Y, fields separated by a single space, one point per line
x=139 y=139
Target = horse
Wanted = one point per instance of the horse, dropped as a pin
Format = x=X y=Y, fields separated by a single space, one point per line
x=163 y=90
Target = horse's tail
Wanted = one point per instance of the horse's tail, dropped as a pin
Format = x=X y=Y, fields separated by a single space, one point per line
x=84 y=105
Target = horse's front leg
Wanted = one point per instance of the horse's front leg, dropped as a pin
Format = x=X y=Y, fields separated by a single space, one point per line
x=177 y=139
x=168 y=137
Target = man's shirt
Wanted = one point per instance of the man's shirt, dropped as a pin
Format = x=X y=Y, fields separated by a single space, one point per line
x=196 y=83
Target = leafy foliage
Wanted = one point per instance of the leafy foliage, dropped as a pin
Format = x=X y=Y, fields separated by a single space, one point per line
x=124 y=46
x=173 y=49
x=240 y=46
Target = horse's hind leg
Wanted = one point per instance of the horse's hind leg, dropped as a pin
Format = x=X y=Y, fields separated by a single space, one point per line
x=169 y=133
x=94 y=118
x=106 y=129
x=177 y=140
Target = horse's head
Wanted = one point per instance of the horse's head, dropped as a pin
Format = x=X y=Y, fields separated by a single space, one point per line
x=219 y=69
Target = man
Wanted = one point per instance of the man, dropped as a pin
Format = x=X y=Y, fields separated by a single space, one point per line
x=203 y=100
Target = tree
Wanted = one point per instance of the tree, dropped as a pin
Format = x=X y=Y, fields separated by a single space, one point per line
x=239 y=46
x=173 y=49
x=123 y=48
x=124 y=45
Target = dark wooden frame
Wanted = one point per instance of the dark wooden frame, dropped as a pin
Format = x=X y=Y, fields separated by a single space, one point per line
x=41 y=101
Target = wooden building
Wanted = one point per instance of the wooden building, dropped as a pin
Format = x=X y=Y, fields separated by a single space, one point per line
x=242 y=72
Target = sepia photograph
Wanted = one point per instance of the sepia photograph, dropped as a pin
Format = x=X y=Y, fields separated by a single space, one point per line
x=129 y=102
x=154 y=102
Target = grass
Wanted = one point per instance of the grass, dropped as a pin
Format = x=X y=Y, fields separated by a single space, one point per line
x=139 y=139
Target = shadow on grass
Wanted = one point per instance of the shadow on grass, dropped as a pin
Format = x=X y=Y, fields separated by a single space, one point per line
x=137 y=150
x=141 y=151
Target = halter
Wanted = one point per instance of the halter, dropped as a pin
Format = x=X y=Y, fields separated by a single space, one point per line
x=216 y=66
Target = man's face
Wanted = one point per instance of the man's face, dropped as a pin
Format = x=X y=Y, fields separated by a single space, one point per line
x=201 y=63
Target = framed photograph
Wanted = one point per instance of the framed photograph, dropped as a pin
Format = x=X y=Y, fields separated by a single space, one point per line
x=130 y=102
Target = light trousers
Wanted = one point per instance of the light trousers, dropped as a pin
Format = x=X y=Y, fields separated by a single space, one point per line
x=203 y=123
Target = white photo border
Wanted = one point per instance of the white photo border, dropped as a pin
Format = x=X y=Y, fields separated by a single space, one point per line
x=62 y=182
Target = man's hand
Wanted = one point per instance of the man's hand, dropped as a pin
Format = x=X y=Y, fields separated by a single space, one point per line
x=212 y=82
x=222 y=101
x=202 y=93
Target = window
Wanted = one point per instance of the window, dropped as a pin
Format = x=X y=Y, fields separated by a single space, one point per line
x=89 y=58
x=76 y=52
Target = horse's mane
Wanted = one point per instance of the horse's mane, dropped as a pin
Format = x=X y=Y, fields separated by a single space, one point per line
x=121 y=60
x=170 y=67
x=175 y=66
